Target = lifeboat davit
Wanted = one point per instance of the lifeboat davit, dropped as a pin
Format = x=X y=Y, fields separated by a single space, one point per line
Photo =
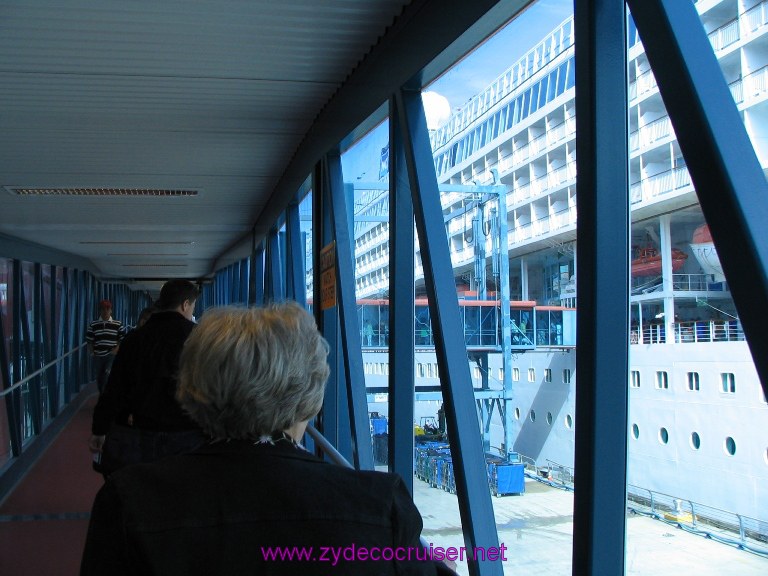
x=704 y=250
x=648 y=261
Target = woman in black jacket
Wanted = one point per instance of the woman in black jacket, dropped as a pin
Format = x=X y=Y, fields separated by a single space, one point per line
x=253 y=500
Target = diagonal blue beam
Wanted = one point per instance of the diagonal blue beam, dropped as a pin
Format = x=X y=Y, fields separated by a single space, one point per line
x=401 y=308
x=274 y=279
x=333 y=420
x=350 y=329
x=257 y=271
x=295 y=256
x=602 y=355
x=721 y=160
x=474 y=497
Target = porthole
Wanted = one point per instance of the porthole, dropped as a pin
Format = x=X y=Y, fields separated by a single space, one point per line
x=532 y=415
x=730 y=446
x=663 y=436
x=635 y=431
x=569 y=425
x=517 y=413
x=549 y=418
x=695 y=440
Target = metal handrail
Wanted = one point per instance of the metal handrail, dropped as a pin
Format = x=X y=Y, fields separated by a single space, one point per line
x=327 y=447
x=337 y=458
x=39 y=371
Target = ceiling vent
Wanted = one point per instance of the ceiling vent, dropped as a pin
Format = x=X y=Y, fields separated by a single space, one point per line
x=24 y=191
x=151 y=265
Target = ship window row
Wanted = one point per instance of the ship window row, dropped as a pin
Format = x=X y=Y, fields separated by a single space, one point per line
x=567 y=420
x=537 y=96
x=694 y=440
x=532 y=375
x=423 y=369
x=727 y=381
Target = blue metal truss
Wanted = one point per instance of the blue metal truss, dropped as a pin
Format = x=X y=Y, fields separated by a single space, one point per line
x=461 y=415
x=602 y=354
x=402 y=367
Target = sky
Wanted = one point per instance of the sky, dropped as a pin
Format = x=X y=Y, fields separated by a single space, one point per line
x=469 y=77
x=492 y=58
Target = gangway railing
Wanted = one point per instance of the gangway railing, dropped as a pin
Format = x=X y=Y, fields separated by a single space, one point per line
x=30 y=406
x=337 y=458
x=39 y=371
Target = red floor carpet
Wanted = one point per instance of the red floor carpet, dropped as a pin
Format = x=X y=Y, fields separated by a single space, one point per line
x=44 y=521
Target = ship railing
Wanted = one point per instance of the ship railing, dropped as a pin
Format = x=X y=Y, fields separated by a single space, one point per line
x=659 y=184
x=644 y=83
x=708 y=331
x=653 y=334
x=724 y=36
x=755 y=84
x=650 y=133
x=728 y=527
x=737 y=90
x=756 y=17
x=697 y=283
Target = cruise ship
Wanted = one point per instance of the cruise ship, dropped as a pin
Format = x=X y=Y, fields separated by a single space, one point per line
x=697 y=416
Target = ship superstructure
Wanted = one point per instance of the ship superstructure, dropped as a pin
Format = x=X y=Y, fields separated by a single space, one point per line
x=697 y=412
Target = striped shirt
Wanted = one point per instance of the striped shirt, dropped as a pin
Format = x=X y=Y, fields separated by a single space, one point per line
x=104 y=335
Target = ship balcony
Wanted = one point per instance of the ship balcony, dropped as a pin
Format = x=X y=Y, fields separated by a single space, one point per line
x=688 y=332
x=651 y=134
x=652 y=188
x=690 y=285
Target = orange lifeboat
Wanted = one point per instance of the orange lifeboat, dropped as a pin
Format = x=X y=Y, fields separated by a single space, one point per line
x=704 y=250
x=647 y=261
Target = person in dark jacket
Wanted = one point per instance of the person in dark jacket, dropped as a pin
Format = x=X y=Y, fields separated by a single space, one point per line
x=253 y=500
x=140 y=392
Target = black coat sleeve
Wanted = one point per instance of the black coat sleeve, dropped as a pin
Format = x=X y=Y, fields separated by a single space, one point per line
x=407 y=525
x=114 y=398
x=106 y=546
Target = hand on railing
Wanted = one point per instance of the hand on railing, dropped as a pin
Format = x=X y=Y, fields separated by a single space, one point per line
x=96 y=443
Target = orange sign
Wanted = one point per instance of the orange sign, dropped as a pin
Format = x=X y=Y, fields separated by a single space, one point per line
x=328 y=276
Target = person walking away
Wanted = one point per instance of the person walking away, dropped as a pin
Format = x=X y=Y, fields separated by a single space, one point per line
x=103 y=337
x=253 y=378
x=137 y=418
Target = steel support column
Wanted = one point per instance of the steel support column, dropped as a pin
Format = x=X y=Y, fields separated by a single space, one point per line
x=34 y=345
x=721 y=160
x=12 y=403
x=401 y=308
x=295 y=257
x=257 y=271
x=273 y=285
x=52 y=349
x=602 y=355
x=333 y=421
x=362 y=451
x=474 y=497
